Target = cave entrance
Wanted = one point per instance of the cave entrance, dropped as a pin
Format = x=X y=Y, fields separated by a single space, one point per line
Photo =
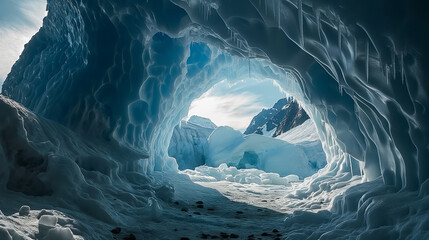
x=247 y=131
x=203 y=66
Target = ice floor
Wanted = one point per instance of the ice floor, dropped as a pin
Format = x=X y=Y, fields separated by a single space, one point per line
x=199 y=210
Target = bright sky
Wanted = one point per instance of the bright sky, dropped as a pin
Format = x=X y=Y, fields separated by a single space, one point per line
x=236 y=104
x=19 y=21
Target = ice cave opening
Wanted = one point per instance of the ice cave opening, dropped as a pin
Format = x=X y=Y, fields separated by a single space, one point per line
x=247 y=131
x=90 y=107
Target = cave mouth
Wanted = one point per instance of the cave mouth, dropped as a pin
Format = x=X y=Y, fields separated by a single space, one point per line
x=224 y=168
x=364 y=89
x=247 y=131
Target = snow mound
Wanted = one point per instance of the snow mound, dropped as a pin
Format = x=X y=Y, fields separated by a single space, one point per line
x=226 y=145
x=232 y=174
x=45 y=159
x=39 y=224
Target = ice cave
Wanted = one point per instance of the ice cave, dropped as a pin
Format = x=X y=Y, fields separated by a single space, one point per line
x=88 y=111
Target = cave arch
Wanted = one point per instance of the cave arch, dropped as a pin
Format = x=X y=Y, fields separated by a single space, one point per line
x=369 y=86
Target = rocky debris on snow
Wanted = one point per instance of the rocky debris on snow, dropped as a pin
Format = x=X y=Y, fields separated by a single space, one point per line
x=116 y=230
x=24 y=210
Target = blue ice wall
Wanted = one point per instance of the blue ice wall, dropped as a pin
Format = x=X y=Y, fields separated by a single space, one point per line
x=101 y=70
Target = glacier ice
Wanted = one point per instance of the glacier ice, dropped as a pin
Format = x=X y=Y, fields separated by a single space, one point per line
x=106 y=83
x=189 y=140
x=226 y=145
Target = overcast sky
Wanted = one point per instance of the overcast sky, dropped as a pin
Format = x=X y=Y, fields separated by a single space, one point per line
x=19 y=21
x=236 y=104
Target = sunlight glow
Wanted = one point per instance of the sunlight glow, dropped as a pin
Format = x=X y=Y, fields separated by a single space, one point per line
x=234 y=104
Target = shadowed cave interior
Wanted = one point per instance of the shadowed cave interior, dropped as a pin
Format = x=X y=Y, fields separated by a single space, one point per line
x=89 y=109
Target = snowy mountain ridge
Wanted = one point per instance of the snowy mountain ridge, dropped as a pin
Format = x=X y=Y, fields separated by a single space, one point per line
x=286 y=114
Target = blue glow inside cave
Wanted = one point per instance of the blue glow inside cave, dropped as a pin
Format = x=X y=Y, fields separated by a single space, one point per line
x=89 y=108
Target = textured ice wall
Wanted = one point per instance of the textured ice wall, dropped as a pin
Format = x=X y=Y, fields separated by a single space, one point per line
x=125 y=82
x=42 y=158
x=101 y=69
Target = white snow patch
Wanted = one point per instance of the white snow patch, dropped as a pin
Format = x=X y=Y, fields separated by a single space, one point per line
x=232 y=174
x=305 y=132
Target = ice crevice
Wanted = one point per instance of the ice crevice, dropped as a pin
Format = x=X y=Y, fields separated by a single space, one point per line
x=99 y=89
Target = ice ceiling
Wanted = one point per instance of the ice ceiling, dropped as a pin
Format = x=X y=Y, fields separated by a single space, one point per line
x=123 y=74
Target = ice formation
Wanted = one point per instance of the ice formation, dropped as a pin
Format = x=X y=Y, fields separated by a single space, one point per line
x=226 y=145
x=105 y=84
x=189 y=140
x=232 y=174
x=198 y=142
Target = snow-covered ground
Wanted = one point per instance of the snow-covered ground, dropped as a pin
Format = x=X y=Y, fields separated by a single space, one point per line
x=212 y=209
x=305 y=132
x=302 y=156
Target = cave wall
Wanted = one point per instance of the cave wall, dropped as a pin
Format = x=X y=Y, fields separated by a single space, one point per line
x=102 y=69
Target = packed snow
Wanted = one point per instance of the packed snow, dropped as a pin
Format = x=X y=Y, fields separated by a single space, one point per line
x=232 y=174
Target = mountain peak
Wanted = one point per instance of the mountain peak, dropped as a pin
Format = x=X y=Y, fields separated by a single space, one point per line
x=283 y=116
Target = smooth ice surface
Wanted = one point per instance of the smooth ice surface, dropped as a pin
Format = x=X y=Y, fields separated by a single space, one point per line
x=102 y=86
x=305 y=132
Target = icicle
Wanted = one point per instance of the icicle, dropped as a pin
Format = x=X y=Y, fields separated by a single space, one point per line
x=301 y=23
x=249 y=66
x=266 y=8
x=361 y=169
x=278 y=14
x=355 y=48
x=387 y=73
x=274 y=10
x=351 y=165
x=367 y=61
x=318 y=24
x=339 y=34
x=393 y=62
x=402 y=67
